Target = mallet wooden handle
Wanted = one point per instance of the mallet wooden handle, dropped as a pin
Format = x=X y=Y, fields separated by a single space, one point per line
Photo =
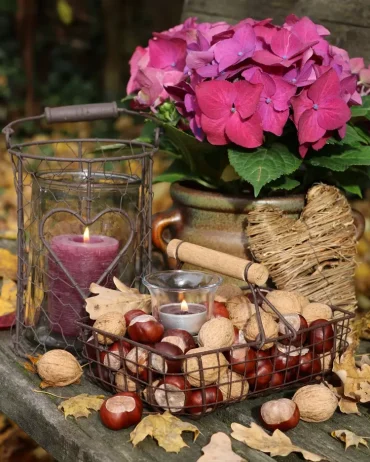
x=217 y=261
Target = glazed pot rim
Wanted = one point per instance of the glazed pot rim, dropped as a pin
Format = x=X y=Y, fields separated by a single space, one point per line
x=183 y=193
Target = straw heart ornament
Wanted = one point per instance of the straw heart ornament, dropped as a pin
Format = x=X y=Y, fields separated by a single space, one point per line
x=314 y=255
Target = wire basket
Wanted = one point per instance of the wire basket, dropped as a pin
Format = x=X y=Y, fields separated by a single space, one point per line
x=67 y=188
x=196 y=384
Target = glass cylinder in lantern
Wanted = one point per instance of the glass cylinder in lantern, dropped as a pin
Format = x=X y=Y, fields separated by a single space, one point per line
x=182 y=299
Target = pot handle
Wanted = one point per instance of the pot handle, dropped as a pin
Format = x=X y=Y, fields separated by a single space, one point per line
x=160 y=222
x=359 y=222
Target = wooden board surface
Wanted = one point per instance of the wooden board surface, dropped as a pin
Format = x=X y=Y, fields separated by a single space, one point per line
x=348 y=21
x=88 y=441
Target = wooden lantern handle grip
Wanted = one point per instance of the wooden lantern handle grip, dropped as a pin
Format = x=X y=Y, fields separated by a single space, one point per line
x=218 y=262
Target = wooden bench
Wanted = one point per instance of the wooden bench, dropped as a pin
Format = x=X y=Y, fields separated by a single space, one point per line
x=86 y=440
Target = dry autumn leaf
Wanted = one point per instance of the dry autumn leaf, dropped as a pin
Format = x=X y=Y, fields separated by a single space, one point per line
x=122 y=300
x=349 y=438
x=8 y=297
x=277 y=444
x=219 y=450
x=8 y=265
x=346 y=405
x=31 y=365
x=355 y=380
x=166 y=429
x=78 y=406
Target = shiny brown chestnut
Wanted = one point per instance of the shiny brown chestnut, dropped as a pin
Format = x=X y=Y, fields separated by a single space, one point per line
x=322 y=337
x=112 y=358
x=130 y=315
x=309 y=362
x=242 y=360
x=91 y=350
x=121 y=410
x=166 y=365
x=181 y=338
x=280 y=414
x=145 y=329
x=286 y=357
x=260 y=377
x=299 y=323
x=172 y=392
x=195 y=404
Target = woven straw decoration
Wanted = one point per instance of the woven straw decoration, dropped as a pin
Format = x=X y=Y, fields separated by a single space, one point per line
x=314 y=255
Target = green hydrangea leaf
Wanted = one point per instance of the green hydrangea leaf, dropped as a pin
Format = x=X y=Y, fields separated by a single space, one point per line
x=341 y=161
x=262 y=165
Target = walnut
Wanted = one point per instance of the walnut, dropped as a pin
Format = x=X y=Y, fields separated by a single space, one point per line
x=240 y=309
x=58 y=368
x=316 y=403
x=112 y=323
x=227 y=291
x=270 y=326
x=314 y=311
x=233 y=386
x=285 y=302
x=214 y=366
x=216 y=333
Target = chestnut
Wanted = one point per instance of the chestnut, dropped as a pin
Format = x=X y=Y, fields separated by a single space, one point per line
x=121 y=410
x=285 y=358
x=322 y=337
x=130 y=315
x=136 y=362
x=280 y=414
x=166 y=365
x=220 y=310
x=299 y=323
x=92 y=351
x=195 y=404
x=309 y=363
x=242 y=360
x=113 y=356
x=260 y=377
x=277 y=379
x=104 y=376
x=181 y=338
x=145 y=329
x=172 y=392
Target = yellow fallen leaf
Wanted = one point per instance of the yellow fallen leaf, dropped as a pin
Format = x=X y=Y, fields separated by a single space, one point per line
x=355 y=380
x=277 y=444
x=349 y=438
x=166 y=429
x=31 y=365
x=8 y=297
x=78 y=406
x=219 y=450
x=8 y=265
x=65 y=12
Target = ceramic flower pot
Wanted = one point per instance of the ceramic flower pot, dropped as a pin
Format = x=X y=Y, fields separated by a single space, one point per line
x=215 y=220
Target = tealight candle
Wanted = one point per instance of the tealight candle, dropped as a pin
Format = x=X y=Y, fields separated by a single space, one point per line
x=182 y=299
x=184 y=316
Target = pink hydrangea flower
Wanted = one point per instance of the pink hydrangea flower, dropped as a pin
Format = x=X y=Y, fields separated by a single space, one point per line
x=167 y=54
x=228 y=112
x=319 y=109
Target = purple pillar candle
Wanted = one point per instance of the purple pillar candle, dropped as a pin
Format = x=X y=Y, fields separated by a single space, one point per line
x=86 y=262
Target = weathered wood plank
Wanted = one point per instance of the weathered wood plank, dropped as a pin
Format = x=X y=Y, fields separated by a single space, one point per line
x=349 y=22
x=86 y=440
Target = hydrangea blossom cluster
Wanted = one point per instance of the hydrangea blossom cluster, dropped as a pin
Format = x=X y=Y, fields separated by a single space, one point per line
x=233 y=83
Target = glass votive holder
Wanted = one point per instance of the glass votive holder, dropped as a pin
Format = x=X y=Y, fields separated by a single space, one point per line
x=182 y=299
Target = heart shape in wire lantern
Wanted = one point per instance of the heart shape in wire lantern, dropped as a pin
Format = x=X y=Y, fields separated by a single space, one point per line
x=87 y=223
x=314 y=255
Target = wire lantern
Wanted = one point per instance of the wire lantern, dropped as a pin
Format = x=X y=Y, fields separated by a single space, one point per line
x=84 y=215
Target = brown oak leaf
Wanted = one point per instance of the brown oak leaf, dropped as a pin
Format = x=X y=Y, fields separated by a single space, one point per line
x=346 y=405
x=276 y=444
x=219 y=450
x=355 y=380
x=166 y=429
x=349 y=438
x=78 y=406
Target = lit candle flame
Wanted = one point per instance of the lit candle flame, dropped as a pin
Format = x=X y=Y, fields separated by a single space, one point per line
x=86 y=235
x=184 y=306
